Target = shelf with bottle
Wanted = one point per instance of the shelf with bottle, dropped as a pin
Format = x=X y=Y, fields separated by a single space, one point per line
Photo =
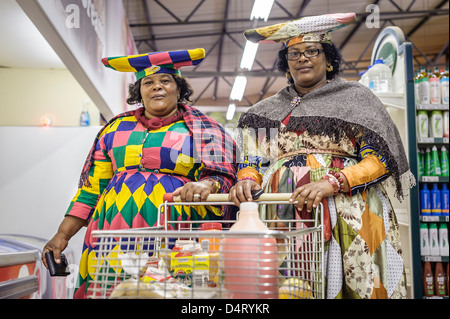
x=424 y=141
x=434 y=219
x=431 y=86
x=434 y=242
x=432 y=107
x=394 y=100
x=443 y=259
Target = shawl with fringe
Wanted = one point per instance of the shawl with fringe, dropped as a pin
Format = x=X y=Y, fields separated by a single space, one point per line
x=337 y=108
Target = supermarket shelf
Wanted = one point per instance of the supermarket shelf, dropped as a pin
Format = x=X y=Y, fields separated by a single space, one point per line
x=433 y=179
x=395 y=100
x=443 y=259
x=432 y=107
x=434 y=219
x=432 y=140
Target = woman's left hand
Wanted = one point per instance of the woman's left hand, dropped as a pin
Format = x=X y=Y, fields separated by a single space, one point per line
x=311 y=194
x=188 y=190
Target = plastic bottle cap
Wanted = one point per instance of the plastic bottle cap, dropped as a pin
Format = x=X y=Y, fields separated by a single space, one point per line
x=212 y=226
x=248 y=205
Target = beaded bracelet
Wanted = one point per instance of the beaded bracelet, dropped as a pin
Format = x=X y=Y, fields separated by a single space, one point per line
x=334 y=182
x=247 y=178
x=340 y=179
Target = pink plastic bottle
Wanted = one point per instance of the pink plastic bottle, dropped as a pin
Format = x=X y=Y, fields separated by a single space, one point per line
x=250 y=263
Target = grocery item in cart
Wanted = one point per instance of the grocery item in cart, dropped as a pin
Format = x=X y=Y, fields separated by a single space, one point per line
x=295 y=288
x=189 y=263
x=250 y=262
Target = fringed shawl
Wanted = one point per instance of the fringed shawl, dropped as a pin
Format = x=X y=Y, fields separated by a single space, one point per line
x=337 y=108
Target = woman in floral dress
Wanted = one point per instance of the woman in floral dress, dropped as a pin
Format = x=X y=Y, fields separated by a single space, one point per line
x=329 y=141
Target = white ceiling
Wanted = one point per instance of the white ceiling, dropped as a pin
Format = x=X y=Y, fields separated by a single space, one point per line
x=22 y=45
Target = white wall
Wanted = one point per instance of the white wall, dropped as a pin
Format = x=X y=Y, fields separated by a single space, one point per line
x=40 y=168
x=28 y=94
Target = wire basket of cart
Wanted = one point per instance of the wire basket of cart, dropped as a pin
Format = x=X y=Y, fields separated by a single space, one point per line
x=181 y=260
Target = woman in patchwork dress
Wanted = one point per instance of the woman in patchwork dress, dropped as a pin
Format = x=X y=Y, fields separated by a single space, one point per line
x=329 y=141
x=165 y=146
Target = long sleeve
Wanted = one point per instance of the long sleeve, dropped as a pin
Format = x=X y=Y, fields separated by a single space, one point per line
x=101 y=171
x=371 y=170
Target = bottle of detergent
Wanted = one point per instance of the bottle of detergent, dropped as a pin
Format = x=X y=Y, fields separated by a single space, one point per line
x=444 y=200
x=425 y=201
x=250 y=261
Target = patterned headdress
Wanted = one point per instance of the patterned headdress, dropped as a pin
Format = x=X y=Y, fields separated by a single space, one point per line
x=155 y=62
x=307 y=29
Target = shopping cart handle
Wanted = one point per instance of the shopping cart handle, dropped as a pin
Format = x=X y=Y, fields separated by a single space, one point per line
x=224 y=197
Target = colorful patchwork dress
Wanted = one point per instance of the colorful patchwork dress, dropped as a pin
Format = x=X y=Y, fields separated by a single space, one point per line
x=363 y=254
x=131 y=167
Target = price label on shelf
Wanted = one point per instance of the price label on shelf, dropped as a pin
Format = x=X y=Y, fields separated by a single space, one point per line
x=425 y=140
x=430 y=178
x=430 y=218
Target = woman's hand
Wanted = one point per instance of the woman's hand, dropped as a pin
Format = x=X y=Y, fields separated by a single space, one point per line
x=311 y=194
x=202 y=188
x=57 y=244
x=242 y=191
x=69 y=227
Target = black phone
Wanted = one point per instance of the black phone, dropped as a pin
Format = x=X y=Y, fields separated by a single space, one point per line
x=257 y=193
x=55 y=269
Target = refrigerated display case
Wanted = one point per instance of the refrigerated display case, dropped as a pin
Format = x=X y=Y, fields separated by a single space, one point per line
x=23 y=275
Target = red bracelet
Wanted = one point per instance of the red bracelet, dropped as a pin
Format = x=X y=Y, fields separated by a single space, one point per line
x=339 y=178
x=334 y=182
x=247 y=178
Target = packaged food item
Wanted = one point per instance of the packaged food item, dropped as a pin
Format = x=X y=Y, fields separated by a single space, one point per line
x=213 y=242
x=295 y=288
x=156 y=271
x=189 y=263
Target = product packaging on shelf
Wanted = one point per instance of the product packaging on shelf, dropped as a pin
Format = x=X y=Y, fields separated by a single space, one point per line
x=422 y=123
x=435 y=200
x=435 y=86
x=424 y=240
x=444 y=86
x=443 y=239
x=436 y=124
x=434 y=240
x=444 y=162
x=425 y=201
x=444 y=200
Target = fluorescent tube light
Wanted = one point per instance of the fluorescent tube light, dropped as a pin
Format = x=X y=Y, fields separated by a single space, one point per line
x=230 y=111
x=261 y=9
x=237 y=92
x=248 y=57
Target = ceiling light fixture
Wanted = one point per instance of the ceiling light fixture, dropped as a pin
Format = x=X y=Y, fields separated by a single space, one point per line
x=248 y=57
x=230 y=111
x=237 y=92
x=261 y=9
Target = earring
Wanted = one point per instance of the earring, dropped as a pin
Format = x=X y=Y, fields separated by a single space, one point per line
x=142 y=102
x=288 y=74
x=330 y=68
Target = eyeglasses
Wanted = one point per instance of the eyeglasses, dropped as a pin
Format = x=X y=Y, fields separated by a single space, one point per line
x=310 y=53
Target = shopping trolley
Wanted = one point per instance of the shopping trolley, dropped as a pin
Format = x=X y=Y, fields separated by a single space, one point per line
x=285 y=262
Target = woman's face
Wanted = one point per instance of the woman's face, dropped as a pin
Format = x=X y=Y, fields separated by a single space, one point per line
x=308 y=73
x=159 y=94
